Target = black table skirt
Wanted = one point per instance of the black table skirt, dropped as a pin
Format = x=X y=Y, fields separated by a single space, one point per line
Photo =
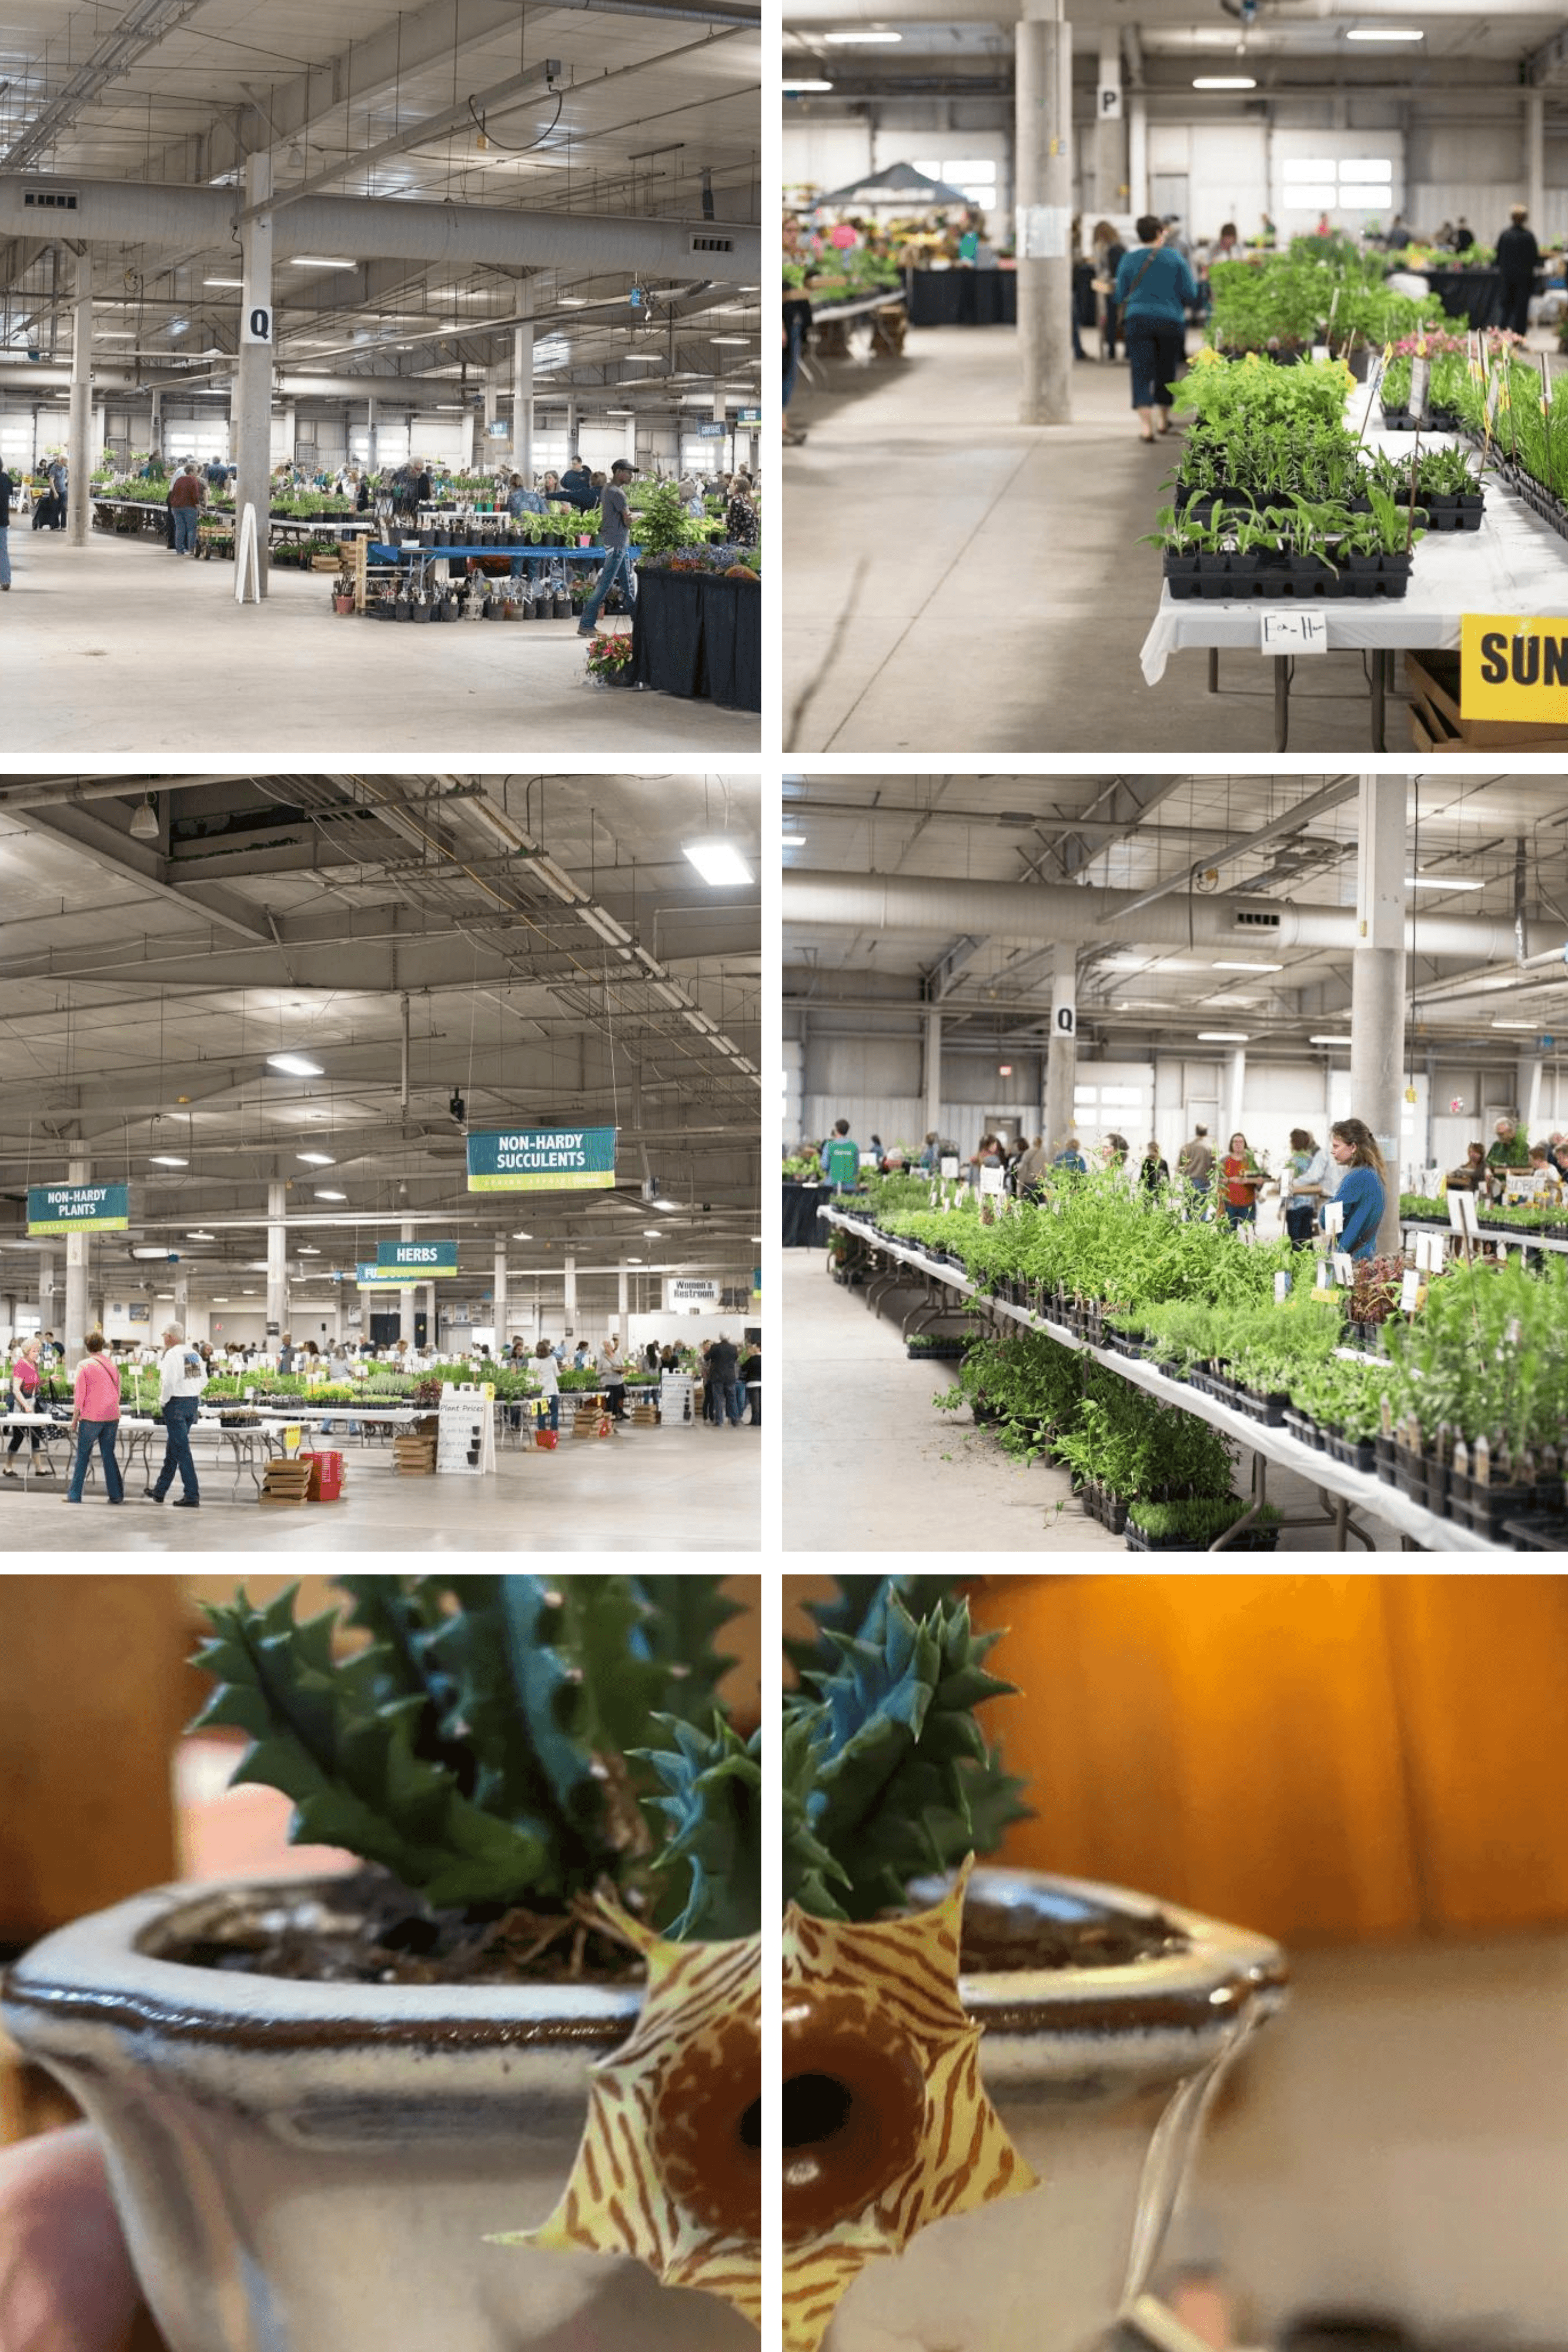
x=802 y=1229
x=962 y=297
x=698 y=635
x=1473 y=295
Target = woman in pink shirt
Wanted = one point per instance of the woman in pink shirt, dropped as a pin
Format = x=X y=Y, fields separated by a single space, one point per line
x=96 y=1419
x=24 y=1397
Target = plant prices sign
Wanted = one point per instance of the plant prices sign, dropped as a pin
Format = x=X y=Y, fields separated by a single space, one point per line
x=79 y=1208
x=542 y=1160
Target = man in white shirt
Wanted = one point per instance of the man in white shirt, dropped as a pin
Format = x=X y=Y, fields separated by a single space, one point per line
x=182 y=1377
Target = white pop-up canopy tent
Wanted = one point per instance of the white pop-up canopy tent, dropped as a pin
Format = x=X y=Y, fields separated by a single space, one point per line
x=900 y=188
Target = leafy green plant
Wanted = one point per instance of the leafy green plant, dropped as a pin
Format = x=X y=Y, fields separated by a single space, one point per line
x=501 y=1739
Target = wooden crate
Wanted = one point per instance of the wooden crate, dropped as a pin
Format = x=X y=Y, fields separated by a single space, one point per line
x=286 y=1483
x=1436 y=724
x=413 y=1457
x=326 y=563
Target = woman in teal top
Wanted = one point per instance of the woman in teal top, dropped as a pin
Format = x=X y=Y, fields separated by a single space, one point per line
x=1362 y=1187
x=1154 y=287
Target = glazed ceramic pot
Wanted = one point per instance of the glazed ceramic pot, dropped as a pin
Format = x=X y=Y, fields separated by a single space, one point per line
x=1101 y=2076
x=316 y=2168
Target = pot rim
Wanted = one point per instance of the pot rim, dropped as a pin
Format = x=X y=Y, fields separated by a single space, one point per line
x=98 y=1972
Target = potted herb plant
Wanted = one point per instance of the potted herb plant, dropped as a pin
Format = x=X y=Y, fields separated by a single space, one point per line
x=322 y=2101
x=1101 y=2020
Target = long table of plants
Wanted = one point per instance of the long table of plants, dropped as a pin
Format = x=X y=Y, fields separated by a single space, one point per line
x=1301 y=481
x=1152 y=1342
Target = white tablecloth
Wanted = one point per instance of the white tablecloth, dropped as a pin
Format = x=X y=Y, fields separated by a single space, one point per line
x=1514 y=563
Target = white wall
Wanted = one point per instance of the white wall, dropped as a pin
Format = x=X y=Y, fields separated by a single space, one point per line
x=687 y=1330
x=1397 y=2140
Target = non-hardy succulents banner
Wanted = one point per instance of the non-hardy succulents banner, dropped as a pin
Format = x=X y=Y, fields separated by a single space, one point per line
x=542 y=1160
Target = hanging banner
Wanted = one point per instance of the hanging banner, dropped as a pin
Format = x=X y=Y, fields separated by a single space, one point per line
x=542 y=1160
x=681 y=1292
x=79 y=1208
x=369 y=1275
x=423 y=1261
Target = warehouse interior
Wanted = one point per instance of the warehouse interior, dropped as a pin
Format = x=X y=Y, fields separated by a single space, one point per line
x=473 y=243
x=1021 y=461
x=1204 y=937
x=277 y=1007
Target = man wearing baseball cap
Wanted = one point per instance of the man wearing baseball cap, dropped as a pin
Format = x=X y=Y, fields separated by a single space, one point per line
x=615 y=536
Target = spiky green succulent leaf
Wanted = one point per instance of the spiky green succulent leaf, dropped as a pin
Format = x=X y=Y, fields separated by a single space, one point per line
x=320 y=1733
x=852 y=1603
x=686 y=1613
x=712 y=1785
x=810 y=1872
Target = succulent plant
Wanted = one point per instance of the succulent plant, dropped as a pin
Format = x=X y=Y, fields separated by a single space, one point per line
x=886 y=1774
x=504 y=1738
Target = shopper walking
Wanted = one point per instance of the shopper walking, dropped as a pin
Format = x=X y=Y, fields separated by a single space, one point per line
x=1154 y=1173
x=1195 y=1161
x=26 y=1397
x=615 y=536
x=612 y=1373
x=577 y=484
x=187 y=495
x=95 y=1420
x=1029 y=1173
x=1154 y=289
x=521 y=501
x=1073 y=1159
x=751 y=1382
x=1302 y=1208
x=1242 y=1178
x=7 y=489
x=182 y=1377
x=59 y=482
x=1109 y=254
x=1361 y=1188
x=841 y=1159
x=1518 y=259
x=549 y=1379
x=723 y=1378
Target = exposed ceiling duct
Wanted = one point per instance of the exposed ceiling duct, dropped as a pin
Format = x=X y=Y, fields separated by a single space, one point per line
x=1031 y=915
x=363 y=228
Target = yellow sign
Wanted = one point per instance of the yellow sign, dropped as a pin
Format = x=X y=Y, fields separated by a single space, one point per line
x=1515 y=668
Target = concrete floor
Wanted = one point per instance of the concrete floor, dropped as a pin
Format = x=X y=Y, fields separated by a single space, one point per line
x=120 y=646
x=955 y=582
x=870 y=1463
x=675 y=1490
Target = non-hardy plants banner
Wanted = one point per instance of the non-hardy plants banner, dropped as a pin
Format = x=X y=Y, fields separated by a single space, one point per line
x=79 y=1208
x=421 y=1260
x=542 y=1160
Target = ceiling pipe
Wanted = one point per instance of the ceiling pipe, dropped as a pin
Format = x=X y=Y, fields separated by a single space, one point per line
x=1333 y=796
x=1009 y=12
x=69 y=791
x=363 y=228
x=1031 y=915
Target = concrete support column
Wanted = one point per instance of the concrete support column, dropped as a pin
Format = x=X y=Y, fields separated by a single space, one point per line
x=405 y=1297
x=1377 y=983
x=570 y=1307
x=623 y=1301
x=570 y=427
x=1061 y=1055
x=276 y=1257
x=1138 y=153
x=79 y=440
x=252 y=443
x=155 y=436
x=1531 y=1072
x=182 y=1300
x=1535 y=159
x=371 y=434
x=1111 y=129
x=522 y=394
x=74 y=1329
x=498 y=1287
x=1232 y=1112
x=48 y=1311
x=932 y=1072
x=466 y=442
x=1043 y=146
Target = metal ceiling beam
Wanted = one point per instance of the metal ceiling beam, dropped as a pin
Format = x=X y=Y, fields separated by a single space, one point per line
x=145 y=23
x=117 y=854
x=1317 y=804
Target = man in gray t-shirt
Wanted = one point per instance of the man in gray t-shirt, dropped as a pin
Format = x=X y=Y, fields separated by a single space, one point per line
x=615 y=536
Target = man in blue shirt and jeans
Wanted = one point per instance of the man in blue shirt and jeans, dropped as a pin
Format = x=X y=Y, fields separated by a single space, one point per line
x=615 y=517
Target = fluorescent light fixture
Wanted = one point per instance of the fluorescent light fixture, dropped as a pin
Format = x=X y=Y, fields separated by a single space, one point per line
x=1224 y=82
x=522 y=1237
x=653 y=1233
x=1437 y=882
x=718 y=862
x=1222 y=964
x=742 y=339
x=166 y=1160
x=250 y=1294
x=1328 y=1041
x=220 y=1302
x=114 y=335
x=322 y=1195
x=634 y=1261
x=1374 y=33
x=223 y=281
x=305 y=1250
x=794 y=88
x=294 y=1065
x=1223 y=1037
x=792 y=840
x=317 y=1158
x=1513 y=1024
x=199 y=1236
x=572 y=302
x=860 y=40
x=320 y=261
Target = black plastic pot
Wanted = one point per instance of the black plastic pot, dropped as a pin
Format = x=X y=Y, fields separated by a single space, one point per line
x=1304 y=1429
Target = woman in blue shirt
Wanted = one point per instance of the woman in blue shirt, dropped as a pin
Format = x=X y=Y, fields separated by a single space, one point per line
x=1154 y=290
x=1361 y=1186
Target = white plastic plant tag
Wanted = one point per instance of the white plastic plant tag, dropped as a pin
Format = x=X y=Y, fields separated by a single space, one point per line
x=1462 y=1214
x=1420 y=380
x=1282 y=1287
x=1325 y=1276
x=950 y=1164
x=1410 y=1291
x=1373 y=387
x=1334 y=1217
x=1295 y=632
x=992 y=1180
x=1345 y=1270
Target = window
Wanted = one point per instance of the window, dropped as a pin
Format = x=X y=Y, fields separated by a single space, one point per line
x=1348 y=183
x=972 y=175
